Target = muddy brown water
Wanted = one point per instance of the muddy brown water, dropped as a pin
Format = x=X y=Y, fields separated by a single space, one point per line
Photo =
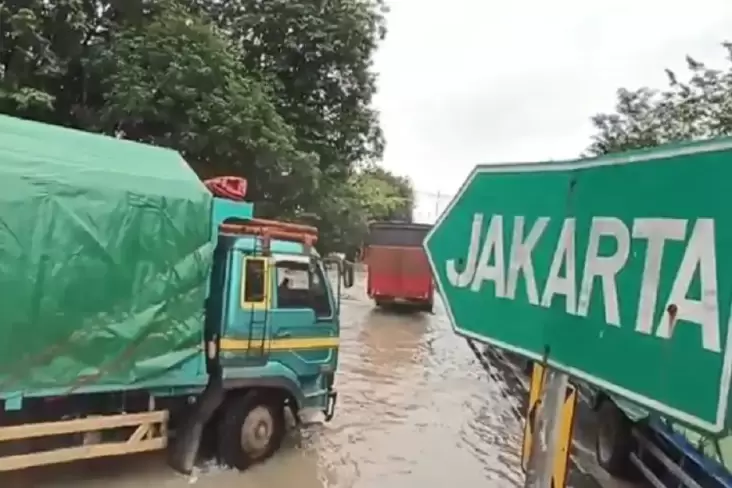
x=415 y=409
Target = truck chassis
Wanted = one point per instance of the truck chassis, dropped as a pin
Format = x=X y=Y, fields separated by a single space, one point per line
x=145 y=431
x=238 y=427
x=648 y=450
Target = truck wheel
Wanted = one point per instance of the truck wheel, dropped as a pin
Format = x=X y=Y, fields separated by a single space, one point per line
x=251 y=429
x=614 y=439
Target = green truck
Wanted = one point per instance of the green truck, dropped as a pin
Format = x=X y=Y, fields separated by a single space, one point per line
x=139 y=312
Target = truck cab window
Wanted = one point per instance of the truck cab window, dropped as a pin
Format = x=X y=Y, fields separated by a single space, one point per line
x=302 y=285
x=319 y=291
x=293 y=285
x=254 y=280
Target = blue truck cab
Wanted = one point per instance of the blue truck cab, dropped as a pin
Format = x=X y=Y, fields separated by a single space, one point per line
x=271 y=337
x=268 y=345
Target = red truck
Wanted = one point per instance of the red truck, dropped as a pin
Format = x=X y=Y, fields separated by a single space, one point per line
x=398 y=270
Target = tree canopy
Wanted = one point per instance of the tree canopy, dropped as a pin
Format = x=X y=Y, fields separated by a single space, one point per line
x=695 y=106
x=279 y=92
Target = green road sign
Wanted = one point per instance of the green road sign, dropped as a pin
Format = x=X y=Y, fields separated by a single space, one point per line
x=621 y=266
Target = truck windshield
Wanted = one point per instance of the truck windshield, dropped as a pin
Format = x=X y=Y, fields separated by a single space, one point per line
x=302 y=285
x=321 y=298
x=293 y=285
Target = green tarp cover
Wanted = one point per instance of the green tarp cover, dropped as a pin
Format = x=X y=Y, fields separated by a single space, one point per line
x=104 y=258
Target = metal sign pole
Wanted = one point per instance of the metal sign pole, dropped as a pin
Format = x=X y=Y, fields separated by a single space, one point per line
x=546 y=430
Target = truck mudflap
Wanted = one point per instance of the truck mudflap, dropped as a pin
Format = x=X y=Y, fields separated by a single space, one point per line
x=330 y=405
x=183 y=451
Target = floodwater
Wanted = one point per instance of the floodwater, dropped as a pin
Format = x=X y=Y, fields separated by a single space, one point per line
x=415 y=409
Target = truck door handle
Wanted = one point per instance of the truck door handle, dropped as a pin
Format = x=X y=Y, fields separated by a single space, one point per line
x=280 y=335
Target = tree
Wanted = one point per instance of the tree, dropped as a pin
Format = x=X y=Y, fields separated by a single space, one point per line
x=697 y=108
x=41 y=46
x=278 y=92
x=318 y=58
x=370 y=194
x=386 y=196
x=176 y=81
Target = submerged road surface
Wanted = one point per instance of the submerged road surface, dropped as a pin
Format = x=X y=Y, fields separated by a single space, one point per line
x=415 y=410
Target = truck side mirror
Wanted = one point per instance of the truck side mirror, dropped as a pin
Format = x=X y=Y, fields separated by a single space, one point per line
x=348 y=274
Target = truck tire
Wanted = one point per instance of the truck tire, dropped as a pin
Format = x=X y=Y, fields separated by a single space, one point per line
x=251 y=429
x=192 y=433
x=613 y=440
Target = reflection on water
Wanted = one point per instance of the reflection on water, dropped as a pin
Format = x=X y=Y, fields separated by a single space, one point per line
x=415 y=409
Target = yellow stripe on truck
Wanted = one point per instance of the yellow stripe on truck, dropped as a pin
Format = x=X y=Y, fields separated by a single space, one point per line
x=289 y=344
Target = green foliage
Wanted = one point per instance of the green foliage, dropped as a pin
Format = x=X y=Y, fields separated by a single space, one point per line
x=41 y=45
x=176 y=81
x=278 y=92
x=699 y=107
x=318 y=56
x=370 y=194
x=385 y=196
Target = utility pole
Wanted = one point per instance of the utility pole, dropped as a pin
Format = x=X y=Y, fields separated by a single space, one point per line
x=437 y=196
x=543 y=454
x=437 y=205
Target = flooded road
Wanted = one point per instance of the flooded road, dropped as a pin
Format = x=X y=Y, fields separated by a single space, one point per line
x=415 y=409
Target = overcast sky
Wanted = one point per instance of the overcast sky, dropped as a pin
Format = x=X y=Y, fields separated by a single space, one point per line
x=463 y=82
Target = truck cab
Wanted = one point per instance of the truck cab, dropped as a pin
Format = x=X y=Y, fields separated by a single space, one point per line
x=271 y=333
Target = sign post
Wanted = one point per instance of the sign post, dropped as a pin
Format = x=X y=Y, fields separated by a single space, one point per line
x=618 y=265
x=548 y=430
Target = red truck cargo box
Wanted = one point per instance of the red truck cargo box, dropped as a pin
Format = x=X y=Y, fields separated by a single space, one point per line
x=398 y=269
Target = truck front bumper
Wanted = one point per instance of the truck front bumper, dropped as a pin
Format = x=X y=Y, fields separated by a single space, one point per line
x=330 y=405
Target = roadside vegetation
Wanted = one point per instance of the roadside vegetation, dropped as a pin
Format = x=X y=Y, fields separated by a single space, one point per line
x=694 y=105
x=276 y=91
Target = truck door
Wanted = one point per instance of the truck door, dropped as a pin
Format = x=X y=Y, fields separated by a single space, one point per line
x=385 y=271
x=304 y=316
x=246 y=336
x=415 y=274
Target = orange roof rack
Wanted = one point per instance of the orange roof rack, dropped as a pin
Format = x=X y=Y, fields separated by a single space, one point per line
x=273 y=229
